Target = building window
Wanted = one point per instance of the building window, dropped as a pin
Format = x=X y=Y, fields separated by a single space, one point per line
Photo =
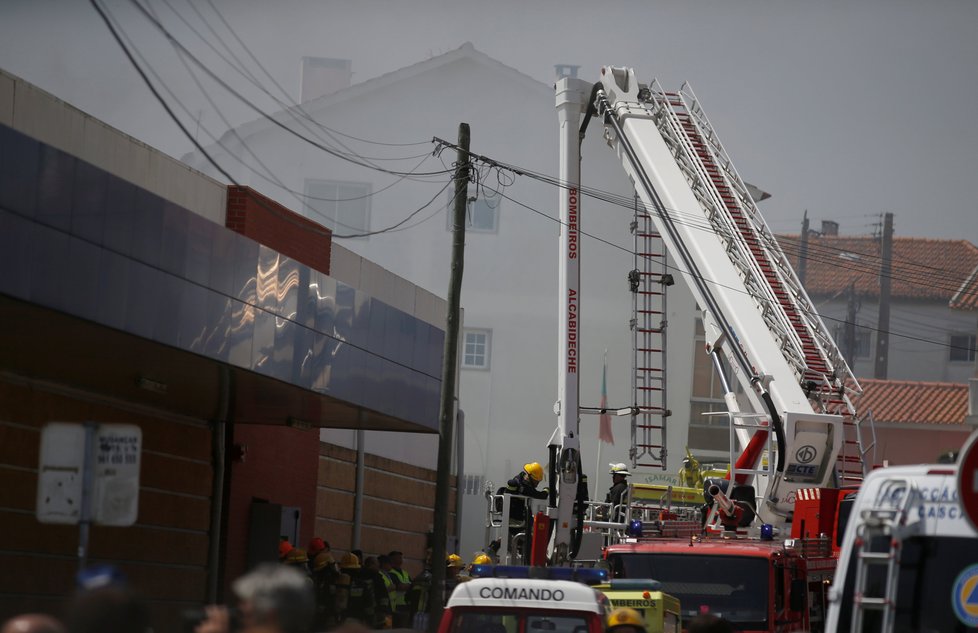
x=707 y=433
x=475 y=355
x=343 y=207
x=481 y=211
x=472 y=485
x=962 y=348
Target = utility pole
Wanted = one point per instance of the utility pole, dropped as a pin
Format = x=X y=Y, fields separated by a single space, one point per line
x=850 y=333
x=803 y=252
x=883 y=321
x=448 y=373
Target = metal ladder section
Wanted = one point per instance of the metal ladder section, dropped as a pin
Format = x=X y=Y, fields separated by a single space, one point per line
x=648 y=281
x=767 y=273
x=878 y=524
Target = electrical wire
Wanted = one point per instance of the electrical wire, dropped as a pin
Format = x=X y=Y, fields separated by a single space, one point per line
x=698 y=222
x=243 y=70
x=491 y=162
x=727 y=287
x=258 y=63
x=264 y=114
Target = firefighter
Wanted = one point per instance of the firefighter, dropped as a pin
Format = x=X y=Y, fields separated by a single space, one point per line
x=523 y=484
x=619 y=486
x=453 y=569
x=625 y=620
x=361 y=604
x=326 y=582
x=690 y=475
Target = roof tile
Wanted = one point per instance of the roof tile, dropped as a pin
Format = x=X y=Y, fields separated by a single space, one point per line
x=923 y=269
x=913 y=402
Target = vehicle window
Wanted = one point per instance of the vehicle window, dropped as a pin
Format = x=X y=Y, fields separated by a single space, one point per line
x=555 y=624
x=476 y=621
x=733 y=587
x=484 y=622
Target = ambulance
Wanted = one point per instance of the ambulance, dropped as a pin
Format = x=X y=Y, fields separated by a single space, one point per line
x=507 y=600
x=660 y=611
x=909 y=561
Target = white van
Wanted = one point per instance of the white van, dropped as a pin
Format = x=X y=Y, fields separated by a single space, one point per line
x=909 y=558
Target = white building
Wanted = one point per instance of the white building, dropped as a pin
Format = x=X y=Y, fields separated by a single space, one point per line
x=930 y=337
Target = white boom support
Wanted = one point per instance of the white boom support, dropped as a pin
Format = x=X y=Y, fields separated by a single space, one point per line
x=571 y=103
x=755 y=312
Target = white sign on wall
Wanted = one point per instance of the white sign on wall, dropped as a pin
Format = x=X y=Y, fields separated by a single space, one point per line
x=113 y=462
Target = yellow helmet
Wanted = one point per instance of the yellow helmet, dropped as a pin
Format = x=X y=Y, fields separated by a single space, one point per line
x=534 y=470
x=623 y=616
x=482 y=559
x=454 y=560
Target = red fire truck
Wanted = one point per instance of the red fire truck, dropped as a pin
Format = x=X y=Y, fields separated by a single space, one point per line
x=765 y=551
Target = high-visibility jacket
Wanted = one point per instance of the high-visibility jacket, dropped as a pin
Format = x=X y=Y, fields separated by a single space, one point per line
x=398 y=600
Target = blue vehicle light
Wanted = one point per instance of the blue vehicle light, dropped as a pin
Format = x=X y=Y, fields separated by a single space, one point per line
x=767 y=532
x=634 y=528
x=589 y=576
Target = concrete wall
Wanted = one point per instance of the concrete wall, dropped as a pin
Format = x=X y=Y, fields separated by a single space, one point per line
x=397 y=505
x=923 y=353
x=920 y=444
x=36 y=113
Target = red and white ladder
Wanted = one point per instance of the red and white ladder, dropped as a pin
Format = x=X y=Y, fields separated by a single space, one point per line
x=787 y=310
x=648 y=281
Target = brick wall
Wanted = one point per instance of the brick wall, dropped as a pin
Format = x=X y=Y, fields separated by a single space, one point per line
x=398 y=505
x=280 y=467
x=164 y=554
x=269 y=223
x=917 y=445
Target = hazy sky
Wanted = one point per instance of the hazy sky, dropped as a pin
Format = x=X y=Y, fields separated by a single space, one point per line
x=848 y=109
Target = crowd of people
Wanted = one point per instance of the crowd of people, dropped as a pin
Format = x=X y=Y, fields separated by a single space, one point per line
x=373 y=591
x=307 y=590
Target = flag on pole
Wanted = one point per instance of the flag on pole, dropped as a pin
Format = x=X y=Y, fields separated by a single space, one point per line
x=604 y=425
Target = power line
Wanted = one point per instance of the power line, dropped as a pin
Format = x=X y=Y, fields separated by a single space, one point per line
x=186 y=132
x=265 y=115
x=696 y=221
x=284 y=92
x=720 y=285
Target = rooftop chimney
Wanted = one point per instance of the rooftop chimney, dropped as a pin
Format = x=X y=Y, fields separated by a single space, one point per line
x=830 y=228
x=565 y=70
x=322 y=76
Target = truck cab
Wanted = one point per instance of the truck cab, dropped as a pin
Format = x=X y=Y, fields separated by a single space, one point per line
x=507 y=600
x=757 y=585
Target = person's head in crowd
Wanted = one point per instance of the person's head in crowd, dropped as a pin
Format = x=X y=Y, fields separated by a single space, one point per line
x=371 y=563
x=709 y=623
x=32 y=623
x=107 y=609
x=316 y=546
x=397 y=559
x=275 y=598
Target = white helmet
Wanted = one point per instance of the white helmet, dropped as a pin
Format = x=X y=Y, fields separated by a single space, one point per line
x=618 y=469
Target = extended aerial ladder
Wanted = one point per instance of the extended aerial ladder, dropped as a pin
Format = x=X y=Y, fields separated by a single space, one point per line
x=761 y=328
